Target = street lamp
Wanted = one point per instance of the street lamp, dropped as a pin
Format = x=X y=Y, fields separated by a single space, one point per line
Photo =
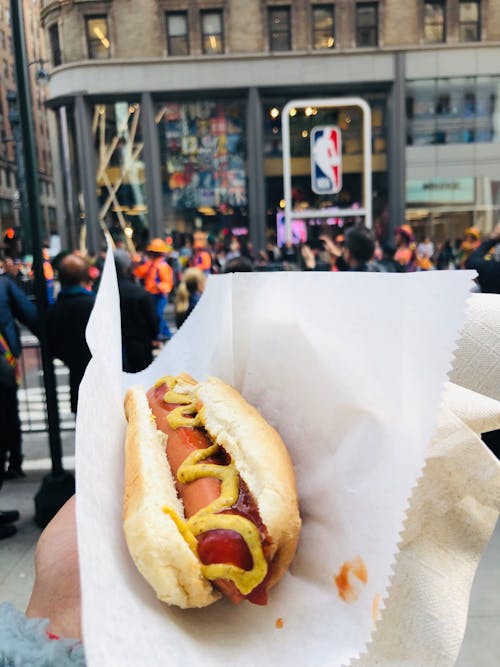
x=58 y=485
x=42 y=75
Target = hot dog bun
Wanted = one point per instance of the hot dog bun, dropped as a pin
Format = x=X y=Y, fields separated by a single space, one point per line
x=155 y=543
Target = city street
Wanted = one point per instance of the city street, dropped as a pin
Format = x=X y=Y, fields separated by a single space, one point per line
x=481 y=647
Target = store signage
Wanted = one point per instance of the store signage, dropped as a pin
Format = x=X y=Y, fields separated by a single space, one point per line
x=440 y=191
x=326 y=160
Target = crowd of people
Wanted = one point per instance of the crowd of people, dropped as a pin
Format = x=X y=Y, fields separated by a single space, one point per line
x=166 y=272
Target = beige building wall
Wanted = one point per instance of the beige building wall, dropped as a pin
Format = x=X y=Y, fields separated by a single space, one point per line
x=245 y=27
x=401 y=25
x=137 y=29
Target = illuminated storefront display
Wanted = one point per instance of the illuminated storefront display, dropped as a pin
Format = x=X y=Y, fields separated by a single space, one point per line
x=202 y=153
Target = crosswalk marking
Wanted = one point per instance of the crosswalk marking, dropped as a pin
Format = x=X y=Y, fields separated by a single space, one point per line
x=33 y=409
x=46 y=464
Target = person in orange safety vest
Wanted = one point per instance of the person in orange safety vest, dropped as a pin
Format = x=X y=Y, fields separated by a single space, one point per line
x=48 y=274
x=157 y=276
x=201 y=258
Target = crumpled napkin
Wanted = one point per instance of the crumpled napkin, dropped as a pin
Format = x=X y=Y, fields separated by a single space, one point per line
x=452 y=513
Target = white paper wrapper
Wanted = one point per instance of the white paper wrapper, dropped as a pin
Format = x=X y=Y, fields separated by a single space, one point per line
x=349 y=368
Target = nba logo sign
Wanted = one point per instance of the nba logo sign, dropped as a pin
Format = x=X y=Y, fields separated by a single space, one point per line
x=326 y=160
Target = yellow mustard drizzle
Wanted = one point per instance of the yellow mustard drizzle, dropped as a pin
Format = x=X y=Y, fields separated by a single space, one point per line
x=208 y=518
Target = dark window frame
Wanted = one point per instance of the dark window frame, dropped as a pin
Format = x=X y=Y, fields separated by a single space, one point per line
x=171 y=38
x=373 y=29
x=273 y=33
x=442 y=4
x=91 y=41
x=206 y=12
x=465 y=24
x=318 y=32
x=55 y=45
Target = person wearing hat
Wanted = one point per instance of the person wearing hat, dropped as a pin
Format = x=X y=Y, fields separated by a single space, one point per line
x=471 y=242
x=158 y=279
x=485 y=259
x=201 y=258
x=405 y=248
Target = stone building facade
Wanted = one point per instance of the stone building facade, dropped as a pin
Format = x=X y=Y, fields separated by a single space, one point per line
x=171 y=110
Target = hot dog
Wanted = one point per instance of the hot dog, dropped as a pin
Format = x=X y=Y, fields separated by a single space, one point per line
x=210 y=502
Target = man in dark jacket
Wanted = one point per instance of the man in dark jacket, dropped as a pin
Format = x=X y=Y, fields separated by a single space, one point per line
x=67 y=320
x=14 y=305
x=138 y=315
x=484 y=260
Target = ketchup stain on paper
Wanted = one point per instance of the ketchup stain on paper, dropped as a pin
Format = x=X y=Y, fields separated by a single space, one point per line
x=350 y=580
x=279 y=623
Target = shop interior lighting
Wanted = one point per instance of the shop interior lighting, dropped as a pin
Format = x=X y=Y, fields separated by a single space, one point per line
x=330 y=42
x=102 y=37
x=129 y=232
x=213 y=42
x=282 y=203
x=274 y=113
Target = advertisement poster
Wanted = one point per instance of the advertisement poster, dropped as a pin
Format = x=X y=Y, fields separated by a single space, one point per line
x=203 y=148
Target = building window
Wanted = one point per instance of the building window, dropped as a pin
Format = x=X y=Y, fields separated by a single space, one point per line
x=97 y=37
x=280 y=34
x=212 y=31
x=434 y=21
x=55 y=47
x=323 y=27
x=177 y=34
x=366 y=24
x=469 y=16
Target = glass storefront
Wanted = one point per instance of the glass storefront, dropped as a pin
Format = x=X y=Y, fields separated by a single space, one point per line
x=120 y=178
x=443 y=208
x=302 y=121
x=203 y=171
x=453 y=111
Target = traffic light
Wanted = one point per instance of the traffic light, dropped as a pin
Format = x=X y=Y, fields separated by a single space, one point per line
x=12 y=240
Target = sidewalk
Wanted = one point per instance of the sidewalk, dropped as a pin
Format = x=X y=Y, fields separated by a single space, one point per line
x=481 y=646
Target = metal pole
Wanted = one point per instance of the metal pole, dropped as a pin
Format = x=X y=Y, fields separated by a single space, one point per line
x=58 y=486
x=256 y=179
x=397 y=146
x=88 y=172
x=152 y=163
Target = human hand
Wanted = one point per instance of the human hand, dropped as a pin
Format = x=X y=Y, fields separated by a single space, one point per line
x=56 y=593
x=308 y=257
x=330 y=246
x=495 y=234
